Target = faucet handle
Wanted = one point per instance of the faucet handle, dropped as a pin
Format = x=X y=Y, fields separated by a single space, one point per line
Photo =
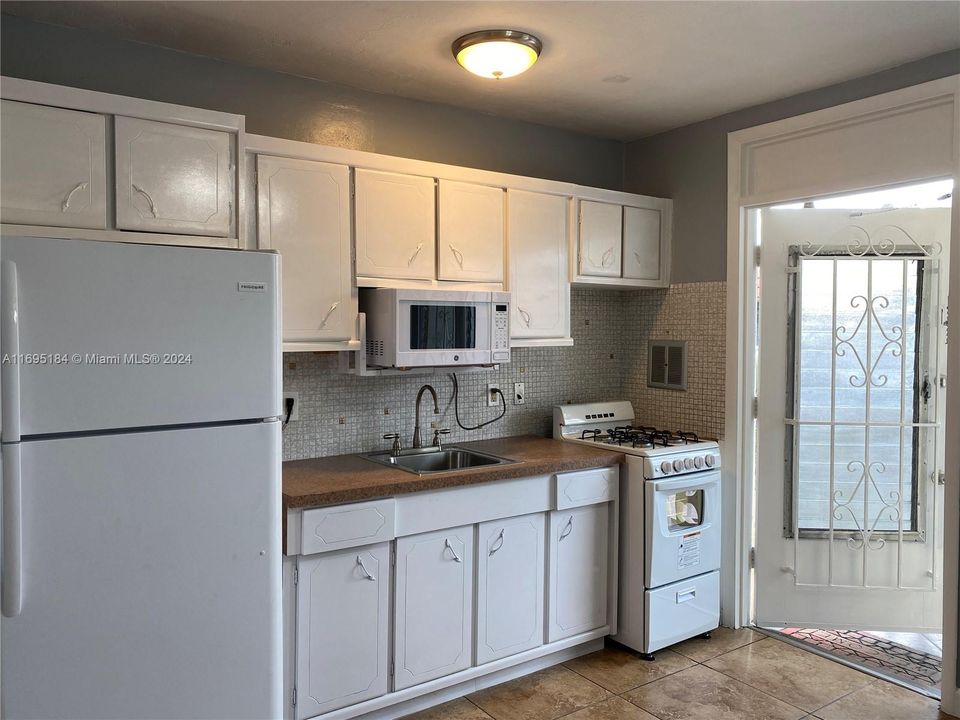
x=437 y=433
x=395 y=450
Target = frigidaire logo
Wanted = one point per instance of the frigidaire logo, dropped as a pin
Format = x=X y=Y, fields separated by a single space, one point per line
x=251 y=287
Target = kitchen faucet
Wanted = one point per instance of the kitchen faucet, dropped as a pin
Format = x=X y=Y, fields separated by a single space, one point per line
x=417 y=442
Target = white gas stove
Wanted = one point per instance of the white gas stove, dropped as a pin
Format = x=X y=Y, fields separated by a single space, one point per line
x=669 y=523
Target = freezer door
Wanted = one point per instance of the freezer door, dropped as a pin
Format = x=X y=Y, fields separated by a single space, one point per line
x=151 y=577
x=113 y=335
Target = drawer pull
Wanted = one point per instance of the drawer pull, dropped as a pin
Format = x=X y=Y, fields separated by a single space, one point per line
x=415 y=253
x=568 y=528
x=448 y=546
x=146 y=195
x=457 y=255
x=524 y=315
x=323 y=323
x=498 y=543
x=65 y=205
x=686 y=595
x=363 y=569
x=607 y=258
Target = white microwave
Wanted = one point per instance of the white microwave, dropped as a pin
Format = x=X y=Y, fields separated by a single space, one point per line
x=423 y=328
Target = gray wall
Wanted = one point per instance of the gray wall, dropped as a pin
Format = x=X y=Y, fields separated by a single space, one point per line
x=689 y=164
x=297 y=108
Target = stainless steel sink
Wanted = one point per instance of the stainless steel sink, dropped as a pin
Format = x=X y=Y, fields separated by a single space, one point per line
x=429 y=460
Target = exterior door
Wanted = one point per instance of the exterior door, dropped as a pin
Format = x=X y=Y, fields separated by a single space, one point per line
x=850 y=418
x=537 y=235
x=470 y=232
x=510 y=567
x=173 y=178
x=303 y=212
x=578 y=570
x=343 y=620
x=434 y=622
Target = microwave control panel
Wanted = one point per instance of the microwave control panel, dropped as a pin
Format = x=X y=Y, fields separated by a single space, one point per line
x=501 y=332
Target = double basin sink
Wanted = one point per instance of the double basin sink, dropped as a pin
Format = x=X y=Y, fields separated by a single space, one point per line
x=424 y=461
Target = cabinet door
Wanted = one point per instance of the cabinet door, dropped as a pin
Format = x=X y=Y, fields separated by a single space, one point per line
x=173 y=178
x=471 y=232
x=510 y=570
x=343 y=606
x=303 y=212
x=396 y=225
x=54 y=169
x=641 y=243
x=578 y=570
x=601 y=238
x=433 y=605
x=539 y=280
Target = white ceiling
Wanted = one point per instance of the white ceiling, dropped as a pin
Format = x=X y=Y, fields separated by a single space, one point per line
x=616 y=69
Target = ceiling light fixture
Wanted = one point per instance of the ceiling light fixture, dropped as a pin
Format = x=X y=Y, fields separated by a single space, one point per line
x=497 y=54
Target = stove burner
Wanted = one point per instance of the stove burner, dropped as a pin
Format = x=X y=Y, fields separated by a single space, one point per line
x=688 y=437
x=639 y=437
x=590 y=435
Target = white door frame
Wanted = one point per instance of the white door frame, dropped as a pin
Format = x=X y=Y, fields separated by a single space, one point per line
x=907 y=135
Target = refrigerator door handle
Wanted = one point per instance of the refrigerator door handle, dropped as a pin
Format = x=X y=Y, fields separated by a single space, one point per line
x=10 y=349
x=12 y=590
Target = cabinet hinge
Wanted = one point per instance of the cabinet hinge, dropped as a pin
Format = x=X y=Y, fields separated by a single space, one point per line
x=293 y=696
x=753 y=557
x=296 y=575
x=941 y=478
x=756 y=256
x=756 y=407
x=391 y=668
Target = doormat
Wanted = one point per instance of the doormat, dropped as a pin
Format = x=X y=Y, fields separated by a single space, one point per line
x=911 y=666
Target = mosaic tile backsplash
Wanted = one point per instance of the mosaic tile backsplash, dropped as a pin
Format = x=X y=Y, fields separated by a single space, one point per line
x=346 y=414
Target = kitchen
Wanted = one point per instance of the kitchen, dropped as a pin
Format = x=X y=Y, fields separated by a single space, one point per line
x=403 y=228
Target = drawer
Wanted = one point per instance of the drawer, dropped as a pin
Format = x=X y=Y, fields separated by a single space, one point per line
x=681 y=610
x=585 y=487
x=343 y=526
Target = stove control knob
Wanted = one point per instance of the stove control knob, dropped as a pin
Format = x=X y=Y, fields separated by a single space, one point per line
x=698 y=462
x=710 y=460
x=666 y=467
x=678 y=465
x=688 y=463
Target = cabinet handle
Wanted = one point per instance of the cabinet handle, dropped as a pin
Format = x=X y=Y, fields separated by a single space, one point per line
x=568 y=528
x=363 y=569
x=415 y=253
x=607 y=258
x=65 y=205
x=457 y=255
x=448 y=546
x=637 y=256
x=323 y=323
x=146 y=195
x=496 y=546
x=524 y=315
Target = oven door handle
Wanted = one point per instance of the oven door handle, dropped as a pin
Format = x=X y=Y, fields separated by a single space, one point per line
x=700 y=480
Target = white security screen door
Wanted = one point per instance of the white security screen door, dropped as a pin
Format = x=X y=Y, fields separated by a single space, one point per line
x=852 y=352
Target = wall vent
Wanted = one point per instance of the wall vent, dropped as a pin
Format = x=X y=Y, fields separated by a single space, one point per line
x=374 y=348
x=667 y=361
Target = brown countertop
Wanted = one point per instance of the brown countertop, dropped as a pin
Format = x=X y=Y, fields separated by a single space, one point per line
x=349 y=478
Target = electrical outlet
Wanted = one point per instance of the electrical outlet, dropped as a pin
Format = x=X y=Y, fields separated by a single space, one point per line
x=493 y=395
x=295 y=413
x=519 y=394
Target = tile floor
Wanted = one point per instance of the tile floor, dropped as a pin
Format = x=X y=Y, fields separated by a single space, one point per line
x=736 y=675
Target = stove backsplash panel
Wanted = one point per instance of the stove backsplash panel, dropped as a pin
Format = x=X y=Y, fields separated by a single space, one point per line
x=345 y=414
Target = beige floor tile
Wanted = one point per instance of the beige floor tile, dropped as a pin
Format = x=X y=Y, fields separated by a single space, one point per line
x=543 y=695
x=613 y=709
x=699 y=693
x=881 y=700
x=618 y=670
x=722 y=640
x=793 y=675
x=459 y=709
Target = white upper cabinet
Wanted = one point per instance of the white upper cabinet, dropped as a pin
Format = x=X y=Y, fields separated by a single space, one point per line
x=395 y=226
x=343 y=620
x=303 y=212
x=578 y=570
x=510 y=569
x=54 y=169
x=173 y=178
x=471 y=232
x=601 y=232
x=434 y=599
x=538 y=240
x=641 y=243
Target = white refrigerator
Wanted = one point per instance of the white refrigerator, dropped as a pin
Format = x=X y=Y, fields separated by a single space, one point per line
x=140 y=394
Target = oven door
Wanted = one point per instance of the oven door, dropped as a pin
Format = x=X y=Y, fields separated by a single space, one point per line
x=443 y=332
x=682 y=527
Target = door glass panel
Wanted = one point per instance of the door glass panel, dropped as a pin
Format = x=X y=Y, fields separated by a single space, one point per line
x=684 y=509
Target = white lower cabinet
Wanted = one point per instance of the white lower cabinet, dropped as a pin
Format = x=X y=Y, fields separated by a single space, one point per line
x=577 y=575
x=510 y=570
x=343 y=620
x=434 y=601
